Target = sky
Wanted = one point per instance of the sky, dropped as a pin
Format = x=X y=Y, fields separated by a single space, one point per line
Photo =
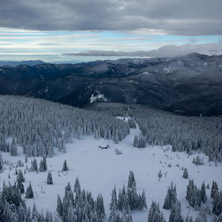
x=79 y=30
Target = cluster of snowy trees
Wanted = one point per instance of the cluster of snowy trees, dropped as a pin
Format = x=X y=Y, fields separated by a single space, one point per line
x=155 y=215
x=182 y=132
x=39 y=127
x=171 y=197
x=139 y=141
x=42 y=165
x=198 y=160
x=14 y=209
x=79 y=205
x=217 y=199
x=170 y=203
x=196 y=196
x=126 y=200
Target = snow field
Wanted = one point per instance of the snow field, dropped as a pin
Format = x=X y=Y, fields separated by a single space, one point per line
x=99 y=170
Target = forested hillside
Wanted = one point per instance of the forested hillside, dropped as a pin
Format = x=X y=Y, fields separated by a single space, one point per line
x=189 y=134
x=41 y=128
x=46 y=148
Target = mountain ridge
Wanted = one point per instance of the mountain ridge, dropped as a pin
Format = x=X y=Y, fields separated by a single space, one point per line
x=187 y=85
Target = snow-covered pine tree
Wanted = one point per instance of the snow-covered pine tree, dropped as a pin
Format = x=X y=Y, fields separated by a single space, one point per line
x=49 y=178
x=77 y=187
x=185 y=173
x=59 y=207
x=217 y=203
x=171 y=197
x=133 y=197
x=132 y=123
x=34 y=165
x=154 y=213
x=214 y=189
x=160 y=175
x=203 y=193
x=175 y=214
x=20 y=186
x=29 y=192
x=43 y=165
x=113 y=203
x=20 y=177
x=1 y=163
x=136 y=141
x=34 y=212
x=100 y=209
x=131 y=180
x=65 y=167
x=142 y=201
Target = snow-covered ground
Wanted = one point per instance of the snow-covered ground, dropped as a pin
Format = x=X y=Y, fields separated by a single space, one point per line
x=100 y=169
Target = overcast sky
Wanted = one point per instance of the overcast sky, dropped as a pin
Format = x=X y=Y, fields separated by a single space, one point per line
x=52 y=28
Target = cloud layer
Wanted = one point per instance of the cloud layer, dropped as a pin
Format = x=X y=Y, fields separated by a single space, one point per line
x=178 y=17
x=165 y=51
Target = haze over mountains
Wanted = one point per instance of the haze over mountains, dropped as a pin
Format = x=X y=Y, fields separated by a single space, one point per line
x=164 y=51
x=189 y=85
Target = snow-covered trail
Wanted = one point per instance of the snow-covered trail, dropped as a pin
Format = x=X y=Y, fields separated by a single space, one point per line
x=99 y=170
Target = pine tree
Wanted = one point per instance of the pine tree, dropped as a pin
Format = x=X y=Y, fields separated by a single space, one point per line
x=154 y=213
x=20 y=186
x=185 y=173
x=20 y=177
x=175 y=214
x=43 y=165
x=142 y=201
x=34 y=212
x=171 y=197
x=133 y=197
x=214 y=189
x=120 y=200
x=28 y=215
x=49 y=178
x=34 y=165
x=113 y=204
x=217 y=203
x=203 y=193
x=136 y=141
x=1 y=163
x=21 y=212
x=131 y=180
x=29 y=192
x=59 y=207
x=77 y=187
x=100 y=209
x=160 y=175
x=65 y=167
x=126 y=205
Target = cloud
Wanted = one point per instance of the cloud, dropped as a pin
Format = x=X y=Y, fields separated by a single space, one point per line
x=165 y=51
x=178 y=17
x=106 y=53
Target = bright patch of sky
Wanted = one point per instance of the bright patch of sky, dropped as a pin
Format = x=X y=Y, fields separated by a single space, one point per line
x=17 y=44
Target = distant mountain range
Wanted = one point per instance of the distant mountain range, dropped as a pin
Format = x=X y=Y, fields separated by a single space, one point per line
x=17 y=63
x=189 y=85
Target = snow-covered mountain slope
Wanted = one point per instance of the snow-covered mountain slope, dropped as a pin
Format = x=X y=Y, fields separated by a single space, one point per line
x=100 y=170
x=98 y=147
